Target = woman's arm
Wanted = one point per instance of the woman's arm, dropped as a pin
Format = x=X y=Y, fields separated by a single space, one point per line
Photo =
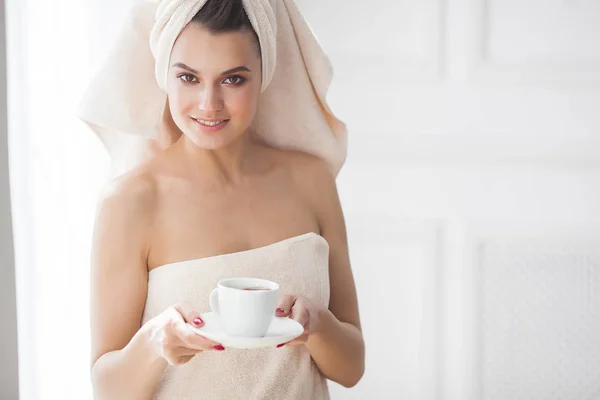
x=128 y=360
x=335 y=341
x=123 y=363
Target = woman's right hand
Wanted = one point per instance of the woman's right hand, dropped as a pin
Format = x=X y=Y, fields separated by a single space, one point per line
x=174 y=340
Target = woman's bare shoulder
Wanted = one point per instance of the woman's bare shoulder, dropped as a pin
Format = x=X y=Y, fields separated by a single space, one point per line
x=311 y=175
x=301 y=165
x=132 y=194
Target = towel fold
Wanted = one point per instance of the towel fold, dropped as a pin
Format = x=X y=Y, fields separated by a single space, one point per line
x=125 y=103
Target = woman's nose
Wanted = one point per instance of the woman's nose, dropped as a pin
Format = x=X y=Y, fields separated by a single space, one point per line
x=210 y=101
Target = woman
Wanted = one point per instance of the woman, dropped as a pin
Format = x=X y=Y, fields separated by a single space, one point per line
x=219 y=197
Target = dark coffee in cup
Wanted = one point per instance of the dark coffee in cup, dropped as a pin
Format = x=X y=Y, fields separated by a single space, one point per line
x=256 y=288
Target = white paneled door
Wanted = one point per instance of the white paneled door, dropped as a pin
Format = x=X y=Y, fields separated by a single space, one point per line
x=471 y=192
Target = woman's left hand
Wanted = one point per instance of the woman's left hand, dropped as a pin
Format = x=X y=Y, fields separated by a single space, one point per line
x=303 y=310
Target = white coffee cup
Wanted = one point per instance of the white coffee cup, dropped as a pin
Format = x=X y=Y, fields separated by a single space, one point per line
x=245 y=306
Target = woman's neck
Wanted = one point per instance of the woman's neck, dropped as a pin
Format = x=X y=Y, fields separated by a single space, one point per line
x=228 y=165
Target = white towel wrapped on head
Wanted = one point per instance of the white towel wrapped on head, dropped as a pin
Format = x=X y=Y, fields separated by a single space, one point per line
x=173 y=15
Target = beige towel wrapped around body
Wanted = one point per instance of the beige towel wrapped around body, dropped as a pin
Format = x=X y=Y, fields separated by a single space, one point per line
x=300 y=265
x=125 y=102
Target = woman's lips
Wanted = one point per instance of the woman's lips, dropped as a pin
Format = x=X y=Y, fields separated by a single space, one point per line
x=210 y=128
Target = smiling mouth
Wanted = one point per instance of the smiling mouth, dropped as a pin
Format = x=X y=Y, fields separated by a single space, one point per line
x=210 y=122
x=210 y=126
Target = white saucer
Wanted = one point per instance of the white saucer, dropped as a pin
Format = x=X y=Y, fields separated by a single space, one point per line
x=282 y=330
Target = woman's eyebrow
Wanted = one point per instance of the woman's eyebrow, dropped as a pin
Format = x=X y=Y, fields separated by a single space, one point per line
x=236 y=69
x=229 y=71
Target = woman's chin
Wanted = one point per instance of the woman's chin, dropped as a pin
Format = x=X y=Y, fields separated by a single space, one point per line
x=211 y=141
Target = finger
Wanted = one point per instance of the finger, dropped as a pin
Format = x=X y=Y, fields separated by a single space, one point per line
x=285 y=305
x=170 y=339
x=185 y=359
x=195 y=340
x=183 y=351
x=302 y=339
x=178 y=333
x=301 y=315
x=189 y=314
x=298 y=341
x=171 y=355
x=173 y=360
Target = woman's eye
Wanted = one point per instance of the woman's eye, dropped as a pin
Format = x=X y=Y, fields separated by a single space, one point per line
x=237 y=80
x=187 y=78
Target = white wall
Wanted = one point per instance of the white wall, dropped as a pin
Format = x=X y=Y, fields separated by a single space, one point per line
x=471 y=193
x=9 y=382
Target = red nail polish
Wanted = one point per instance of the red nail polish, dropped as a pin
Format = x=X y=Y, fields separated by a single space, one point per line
x=280 y=345
x=197 y=321
x=280 y=310
x=219 y=347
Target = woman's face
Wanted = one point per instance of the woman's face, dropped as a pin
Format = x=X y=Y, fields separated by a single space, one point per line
x=213 y=78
